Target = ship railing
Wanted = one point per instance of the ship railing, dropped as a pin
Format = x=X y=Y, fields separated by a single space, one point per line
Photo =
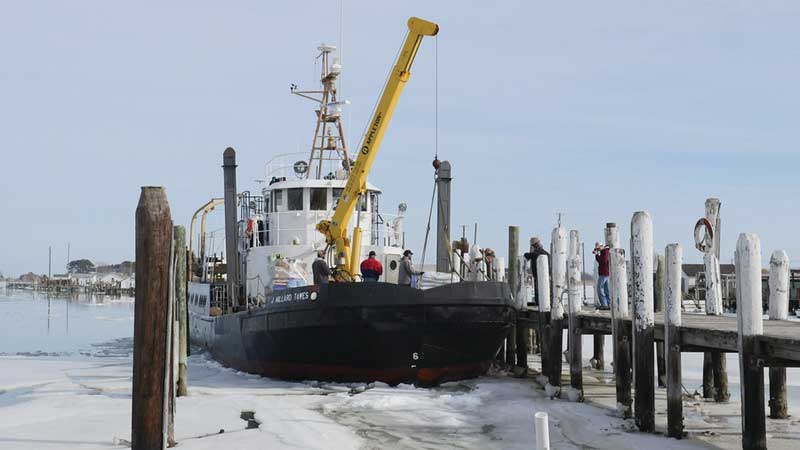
x=282 y=166
x=219 y=299
x=281 y=228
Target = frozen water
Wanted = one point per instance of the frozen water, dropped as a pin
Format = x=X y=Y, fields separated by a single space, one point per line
x=75 y=393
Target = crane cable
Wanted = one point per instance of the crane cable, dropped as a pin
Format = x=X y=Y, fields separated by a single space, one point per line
x=436 y=153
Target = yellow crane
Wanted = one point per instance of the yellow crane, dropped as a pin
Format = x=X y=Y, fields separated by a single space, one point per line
x=335 y=230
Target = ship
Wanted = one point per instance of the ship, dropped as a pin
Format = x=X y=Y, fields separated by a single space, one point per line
x=256 y=308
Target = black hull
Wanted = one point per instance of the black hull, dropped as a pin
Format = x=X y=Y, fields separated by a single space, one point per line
x=367 y=332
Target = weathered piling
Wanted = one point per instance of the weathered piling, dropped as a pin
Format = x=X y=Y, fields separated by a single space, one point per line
x=543 y=294
x=672 y=323
x=513 y=282
x=749 y=312
x=643 y=323
x=715 y=372
x=151 y=320
x=180 y=298
x=559 y=282
x=574 y=341
x=611 y=236
x=658 y=306
x=778 y=310
x=618 y=285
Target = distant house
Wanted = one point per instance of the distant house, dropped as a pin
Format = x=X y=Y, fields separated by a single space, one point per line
x=691 y=273
x=30 y=278
x=128 y=283
x=83 y=279
x=111 y=279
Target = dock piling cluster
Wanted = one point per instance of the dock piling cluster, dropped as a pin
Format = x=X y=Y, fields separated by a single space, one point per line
x=638 y=327
x=160 y=322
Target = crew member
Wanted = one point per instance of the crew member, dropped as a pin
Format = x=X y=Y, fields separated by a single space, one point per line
x=320 y=269
x=371 y=268
x=407 y=270
x=601 y=256
x=537 y=250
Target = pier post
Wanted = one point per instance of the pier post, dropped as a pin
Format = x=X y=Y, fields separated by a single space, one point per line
x=658 y=306
x=151 y=340
x=513 y=283
x=715 y=372
x=543 y=294
x=559 y=283
x=672 y=324
x=778 y=310
x=611 y=237
x=180 y=299
x=642 y=261
x=618 y=286
x=751 y=326
x=542 y=431
x=575 y=341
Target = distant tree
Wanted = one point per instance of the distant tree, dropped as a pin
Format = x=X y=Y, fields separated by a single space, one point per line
x=80 y=266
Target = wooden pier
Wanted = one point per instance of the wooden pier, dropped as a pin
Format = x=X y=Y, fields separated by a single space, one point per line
x=761 y=344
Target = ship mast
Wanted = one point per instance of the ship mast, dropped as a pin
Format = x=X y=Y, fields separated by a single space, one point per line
x=329 y=143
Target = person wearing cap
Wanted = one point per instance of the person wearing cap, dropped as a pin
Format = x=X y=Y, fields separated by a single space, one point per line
x=407 y=270
x=537 y=250
x=371 y=268
x=601 y=256
x=320 y=269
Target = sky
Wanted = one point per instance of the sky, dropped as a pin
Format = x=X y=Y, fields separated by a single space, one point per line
x=591 y=109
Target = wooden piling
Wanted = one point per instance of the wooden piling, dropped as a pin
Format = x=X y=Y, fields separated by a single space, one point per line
x=618 y=286
x=559 y=283
x=180 y=299
x=658 y=306
x=672 y=324
x=715 y=372
x=513 y=282
x=575 y=341
x=543 y=294
x=749 y=314
x=778 y=310
x=643 y=323
x=611 y=235
x=151 y=320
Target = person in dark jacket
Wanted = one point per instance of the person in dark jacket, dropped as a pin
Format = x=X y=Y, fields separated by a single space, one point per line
x=320 y=269
x=371 y=268
x=601 y=256
x=537 y=250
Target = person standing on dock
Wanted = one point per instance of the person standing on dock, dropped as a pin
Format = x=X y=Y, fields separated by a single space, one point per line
x=407 y=271
x=320 y=269
x=371 y=268
x=537 y=250
x=601 y=256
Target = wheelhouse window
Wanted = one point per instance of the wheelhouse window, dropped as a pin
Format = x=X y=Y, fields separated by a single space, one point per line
x=362 y=203
x=337 y=194
x=294 y=199
x=277 y=200
x=319 y=199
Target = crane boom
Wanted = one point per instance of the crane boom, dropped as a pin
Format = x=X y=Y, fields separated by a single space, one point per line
x=335 y=230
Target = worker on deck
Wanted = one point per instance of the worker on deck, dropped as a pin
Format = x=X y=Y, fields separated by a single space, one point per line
x=601 y=256
x=407 y=270
x=371 y=268
x=537 y=250
x=320 y=269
